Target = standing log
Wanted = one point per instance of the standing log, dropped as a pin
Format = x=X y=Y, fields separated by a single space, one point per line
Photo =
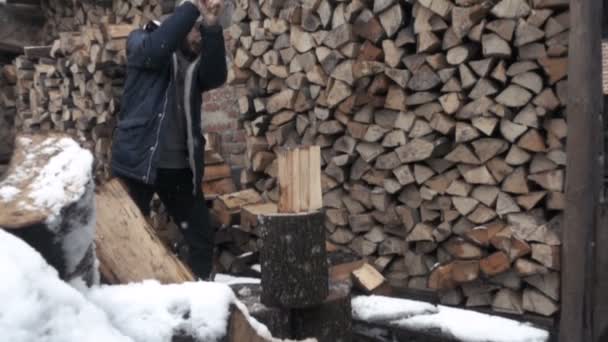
x=294 y=265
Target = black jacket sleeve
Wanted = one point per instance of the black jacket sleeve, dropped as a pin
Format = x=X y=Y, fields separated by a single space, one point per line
x=212 y=71
x=153 y=50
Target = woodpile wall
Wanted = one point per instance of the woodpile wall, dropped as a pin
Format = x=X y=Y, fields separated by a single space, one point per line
x=74 y=84
x=442 y=128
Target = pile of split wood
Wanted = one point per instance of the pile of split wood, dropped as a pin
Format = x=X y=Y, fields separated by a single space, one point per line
x=442 y=130
x=74 y=84
x=8 y=110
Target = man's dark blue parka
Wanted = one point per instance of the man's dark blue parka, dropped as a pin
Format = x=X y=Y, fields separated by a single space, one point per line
x=150 y=92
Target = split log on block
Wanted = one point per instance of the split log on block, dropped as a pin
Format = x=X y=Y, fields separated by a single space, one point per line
x=293 y=259
x=120 y=226
x=47 y=200
x=300 y=180
x=367 y=278
x=227 y=208
x=330 y=321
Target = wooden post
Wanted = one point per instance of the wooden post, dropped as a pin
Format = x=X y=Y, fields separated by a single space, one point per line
x=583 y=177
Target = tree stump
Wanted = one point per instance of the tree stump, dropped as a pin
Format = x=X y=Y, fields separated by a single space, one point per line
x=330 y=321
x=293 y=260
x=47 y=199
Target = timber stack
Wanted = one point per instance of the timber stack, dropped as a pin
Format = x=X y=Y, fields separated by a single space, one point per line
x=74 y=84
x=442 y=129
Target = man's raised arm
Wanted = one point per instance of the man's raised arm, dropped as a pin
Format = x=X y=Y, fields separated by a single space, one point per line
x=153 y=50
x=212 y=70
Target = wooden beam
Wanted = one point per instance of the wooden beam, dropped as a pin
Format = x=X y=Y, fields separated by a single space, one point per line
x=583 y=177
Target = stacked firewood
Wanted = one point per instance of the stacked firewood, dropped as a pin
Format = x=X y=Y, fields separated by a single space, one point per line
x=442 y=130
x=8 y=78
x=74 y=84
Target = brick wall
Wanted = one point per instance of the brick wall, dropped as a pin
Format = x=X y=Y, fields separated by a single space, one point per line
x=220 y=115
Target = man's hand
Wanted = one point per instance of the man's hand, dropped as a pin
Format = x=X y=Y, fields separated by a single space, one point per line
x=211 y=10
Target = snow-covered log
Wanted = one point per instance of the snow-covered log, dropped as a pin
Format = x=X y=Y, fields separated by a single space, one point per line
x=47 y=199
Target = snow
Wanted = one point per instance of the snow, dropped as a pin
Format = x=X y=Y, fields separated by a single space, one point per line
x=198 y=309
x=8 y=192
x=64 y=178
x=380 y=308
x=464 y=325
x=35 y=305
x=472 y=326
x=232 y=280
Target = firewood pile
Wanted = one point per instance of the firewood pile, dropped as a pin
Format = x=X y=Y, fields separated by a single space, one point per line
x=8 y=110
x=74 y=84
x=442 y=130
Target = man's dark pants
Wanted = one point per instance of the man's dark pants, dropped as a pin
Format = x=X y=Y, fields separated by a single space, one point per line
x=188 y=211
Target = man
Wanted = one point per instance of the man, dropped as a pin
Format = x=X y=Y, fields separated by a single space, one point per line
x=158 y=145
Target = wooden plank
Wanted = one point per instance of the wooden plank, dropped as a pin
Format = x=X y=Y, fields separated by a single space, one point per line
x=127 y=246
x=583 y=178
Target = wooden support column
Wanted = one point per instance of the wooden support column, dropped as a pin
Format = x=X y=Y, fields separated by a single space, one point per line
x=583 y=173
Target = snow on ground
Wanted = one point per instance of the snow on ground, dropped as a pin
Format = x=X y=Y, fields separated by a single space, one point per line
x=197 y=309
x=35 y=305
x=232 y=280
x=380 y=308
x=464 y=325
